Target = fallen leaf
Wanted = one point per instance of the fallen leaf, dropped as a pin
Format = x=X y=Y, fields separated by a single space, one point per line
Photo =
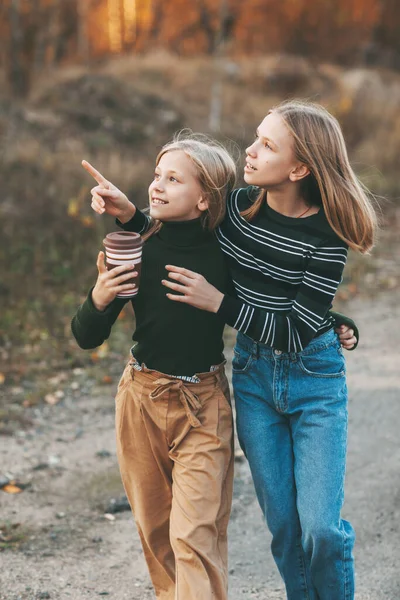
x=107 y=379
x=11 y=489
x=2 y=378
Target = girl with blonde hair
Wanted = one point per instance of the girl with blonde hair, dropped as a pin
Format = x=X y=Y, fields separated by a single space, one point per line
x=286 y=238
x=173 y=411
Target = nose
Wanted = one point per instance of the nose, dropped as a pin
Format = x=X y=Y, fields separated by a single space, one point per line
x=157 y=185
x=251 y=151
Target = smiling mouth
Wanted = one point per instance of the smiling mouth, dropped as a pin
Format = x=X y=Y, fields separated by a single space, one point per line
x=249 y=166
x=158 y=201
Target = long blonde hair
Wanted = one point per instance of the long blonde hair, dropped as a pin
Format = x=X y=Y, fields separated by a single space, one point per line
x=332 y=183
x=216 y=174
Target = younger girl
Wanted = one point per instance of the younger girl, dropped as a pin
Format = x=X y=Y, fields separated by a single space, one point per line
x=173 y=412
x=286 y=238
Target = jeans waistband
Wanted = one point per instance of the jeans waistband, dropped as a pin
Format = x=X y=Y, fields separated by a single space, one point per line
x=325 y=340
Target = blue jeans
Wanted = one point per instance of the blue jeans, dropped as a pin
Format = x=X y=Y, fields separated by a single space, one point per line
x=291 y=413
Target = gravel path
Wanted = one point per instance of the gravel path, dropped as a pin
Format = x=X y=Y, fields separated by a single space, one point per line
x=70 y=549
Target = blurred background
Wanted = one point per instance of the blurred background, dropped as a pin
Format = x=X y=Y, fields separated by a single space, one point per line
x=111 y=81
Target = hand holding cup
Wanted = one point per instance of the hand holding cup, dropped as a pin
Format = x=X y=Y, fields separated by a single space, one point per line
x=111 y=283
x=107 y=198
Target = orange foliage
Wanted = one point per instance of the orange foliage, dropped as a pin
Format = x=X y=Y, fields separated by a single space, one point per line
x=37 y=33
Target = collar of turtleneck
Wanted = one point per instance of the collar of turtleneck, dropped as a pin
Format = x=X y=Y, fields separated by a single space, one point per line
x=184 y=233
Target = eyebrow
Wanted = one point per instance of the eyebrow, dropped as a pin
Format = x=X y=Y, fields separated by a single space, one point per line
x=171 y=171
x=268 y=139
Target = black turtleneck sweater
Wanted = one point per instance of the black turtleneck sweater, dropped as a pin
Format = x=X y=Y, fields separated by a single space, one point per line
x=170 y=337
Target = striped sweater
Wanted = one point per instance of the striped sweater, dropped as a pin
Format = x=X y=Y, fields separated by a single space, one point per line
x=285 y=272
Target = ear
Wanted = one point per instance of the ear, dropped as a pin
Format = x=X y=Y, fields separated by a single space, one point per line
x=202 y=204
x=299 y=172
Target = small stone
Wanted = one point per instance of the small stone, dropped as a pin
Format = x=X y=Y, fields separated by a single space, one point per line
x=60 y=515
x=3 y=481
x=97 y=539
x=41 y=467
x=78 y=433
x=43 y=595
x=118 y=505
x=239 y=455
x=103 y=454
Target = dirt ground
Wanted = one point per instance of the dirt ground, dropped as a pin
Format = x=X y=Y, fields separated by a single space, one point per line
x=73 y=546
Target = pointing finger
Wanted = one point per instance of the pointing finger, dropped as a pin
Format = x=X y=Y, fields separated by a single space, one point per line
x=95 y=173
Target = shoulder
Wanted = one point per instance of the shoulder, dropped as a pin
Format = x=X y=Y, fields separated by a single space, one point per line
x=319 y=228
x=242 y=198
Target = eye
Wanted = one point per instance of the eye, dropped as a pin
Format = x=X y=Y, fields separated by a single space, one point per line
x=156 y=175
x=172 y=178
x=266 y=145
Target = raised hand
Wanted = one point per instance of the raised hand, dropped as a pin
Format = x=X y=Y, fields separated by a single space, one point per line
x=107 y=198
x=110 y=283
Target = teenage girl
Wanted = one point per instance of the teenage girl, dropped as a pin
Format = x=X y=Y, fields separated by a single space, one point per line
x=173 y=412
x=286 y=238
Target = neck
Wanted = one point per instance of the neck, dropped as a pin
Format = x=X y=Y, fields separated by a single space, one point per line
x=288 y=201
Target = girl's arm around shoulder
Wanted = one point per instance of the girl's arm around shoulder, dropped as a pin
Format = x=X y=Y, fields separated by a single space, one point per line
x=91 y=327
x=292 y=331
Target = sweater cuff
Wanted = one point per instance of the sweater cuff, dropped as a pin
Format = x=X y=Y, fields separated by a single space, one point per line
x=138 y=223
x=229 y=311
x=89 y=310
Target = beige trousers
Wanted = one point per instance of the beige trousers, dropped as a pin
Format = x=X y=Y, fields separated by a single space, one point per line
x=174 y=446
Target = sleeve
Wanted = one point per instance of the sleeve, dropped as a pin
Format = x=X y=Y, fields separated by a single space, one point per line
x=293 y=330
x=343 y=320
x=140 y=223
x=90 y=326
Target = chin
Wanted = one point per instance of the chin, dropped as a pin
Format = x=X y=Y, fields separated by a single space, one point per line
x=250 y=178
x=154 y=213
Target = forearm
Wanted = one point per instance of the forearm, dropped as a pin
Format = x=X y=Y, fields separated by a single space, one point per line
x=92 y=327
x=128 y=214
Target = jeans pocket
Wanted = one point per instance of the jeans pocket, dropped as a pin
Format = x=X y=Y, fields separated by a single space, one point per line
x=242 y=360
x=328 y=362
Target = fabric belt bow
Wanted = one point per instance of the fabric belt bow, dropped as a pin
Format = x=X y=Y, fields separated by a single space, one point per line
x=188 y=400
